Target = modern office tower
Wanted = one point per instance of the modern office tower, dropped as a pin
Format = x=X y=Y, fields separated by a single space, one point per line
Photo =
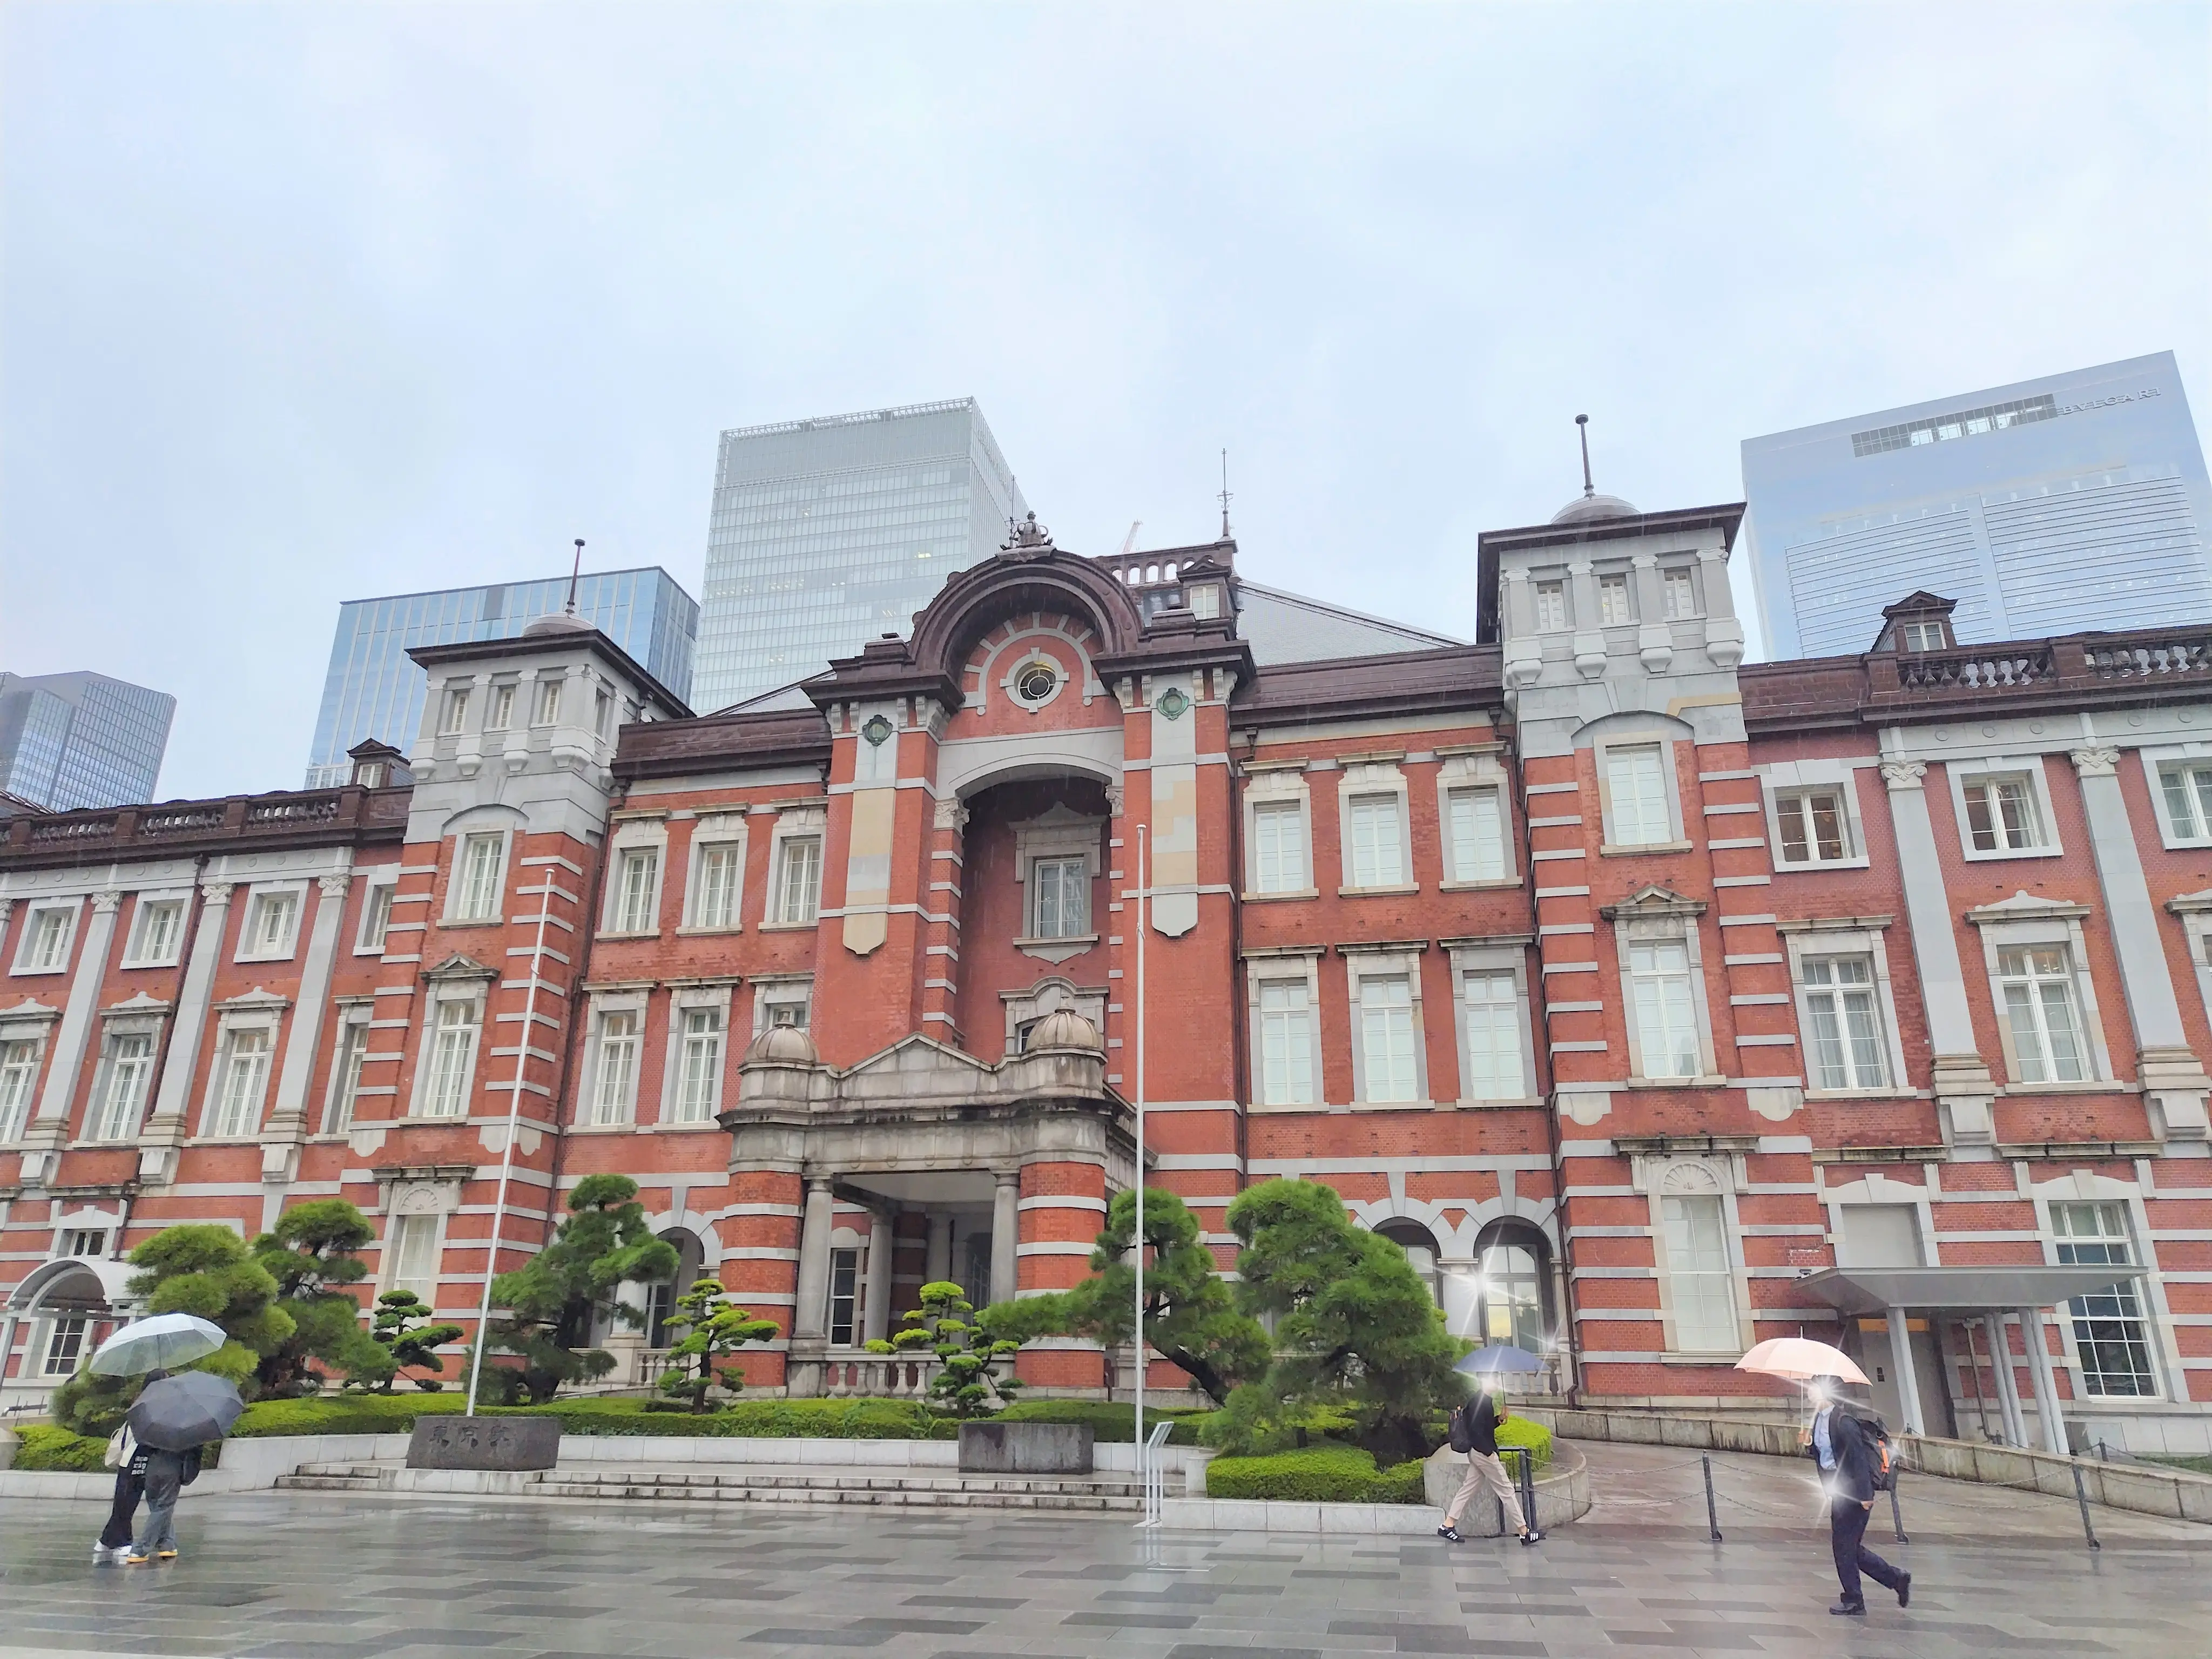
x=374 y=690
x=828 y=532
x=2073 y=501
x=81 y=740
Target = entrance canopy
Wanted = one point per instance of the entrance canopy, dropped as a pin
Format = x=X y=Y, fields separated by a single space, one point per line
x=1961 y=1291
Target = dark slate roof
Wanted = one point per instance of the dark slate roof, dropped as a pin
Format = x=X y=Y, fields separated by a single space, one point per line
x=1286 y=627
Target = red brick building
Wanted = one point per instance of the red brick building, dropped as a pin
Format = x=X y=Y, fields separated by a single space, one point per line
x=1656 y=1003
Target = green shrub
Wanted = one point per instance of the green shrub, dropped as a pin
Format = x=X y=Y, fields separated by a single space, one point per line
x=1332 y=1474
x=1112 y=1423
x=1520 y=1431
x=47 y=1447
x=352 y=1412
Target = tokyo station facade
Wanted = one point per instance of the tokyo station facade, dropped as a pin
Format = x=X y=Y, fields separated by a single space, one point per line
x=1656 y=1002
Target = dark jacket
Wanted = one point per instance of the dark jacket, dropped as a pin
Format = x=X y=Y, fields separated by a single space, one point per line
x=1481 y=1425
x=1854 y=1471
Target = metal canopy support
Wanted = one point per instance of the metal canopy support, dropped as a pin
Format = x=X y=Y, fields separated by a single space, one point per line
x=2047 y=1385
x=1908 y=1384
x=2015 y=1423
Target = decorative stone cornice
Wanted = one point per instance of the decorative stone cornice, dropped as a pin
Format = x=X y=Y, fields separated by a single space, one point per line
x=2096 y=762
x=1904 y=774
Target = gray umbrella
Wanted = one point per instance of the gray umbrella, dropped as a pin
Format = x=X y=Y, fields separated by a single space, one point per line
x=178 y=1412
x=1499 y=1357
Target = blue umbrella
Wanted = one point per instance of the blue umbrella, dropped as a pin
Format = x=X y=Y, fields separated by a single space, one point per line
x=1499 y=1357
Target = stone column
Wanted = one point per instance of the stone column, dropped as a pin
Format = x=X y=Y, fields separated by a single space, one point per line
x=2047 y=1385
x=939 y=1262
x=1005 y=1241
x=1590 y=637
x=287 y=1120
x=876 y=1315
x=1964 y=1089
x=65 y=1065
x=810 y=1318
x=2007 y=1387
x=1723 y=631
x=2173 y=1079
x=1908 y=1381
x=173 y=1099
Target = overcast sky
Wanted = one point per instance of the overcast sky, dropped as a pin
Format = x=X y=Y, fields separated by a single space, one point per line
x=310 y=302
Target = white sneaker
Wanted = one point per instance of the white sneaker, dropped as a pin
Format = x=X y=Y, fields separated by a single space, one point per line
x=104 y=1557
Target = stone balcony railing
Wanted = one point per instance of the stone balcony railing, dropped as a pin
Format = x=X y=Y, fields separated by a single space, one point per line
x=238 y=822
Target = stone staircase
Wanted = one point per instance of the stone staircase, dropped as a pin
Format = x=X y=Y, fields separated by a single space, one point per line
x=1106 y=1494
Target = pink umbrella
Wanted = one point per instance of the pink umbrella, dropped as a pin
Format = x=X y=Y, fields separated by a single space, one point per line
x=1800 y=1360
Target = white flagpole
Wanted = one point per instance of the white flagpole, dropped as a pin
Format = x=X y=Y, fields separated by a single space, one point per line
x=1144 y=879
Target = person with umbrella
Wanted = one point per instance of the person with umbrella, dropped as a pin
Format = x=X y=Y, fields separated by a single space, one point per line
x=173 y=1419
x=1475 y=1431
x=1840 y=1441
x=146 y=1346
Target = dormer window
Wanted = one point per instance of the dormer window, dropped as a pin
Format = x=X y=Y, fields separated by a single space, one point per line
x=1925 y=635
x=1204 y=599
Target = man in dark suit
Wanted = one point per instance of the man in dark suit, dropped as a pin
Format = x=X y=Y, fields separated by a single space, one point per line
x=1836 y=1442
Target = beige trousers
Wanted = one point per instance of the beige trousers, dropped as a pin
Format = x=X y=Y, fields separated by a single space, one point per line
x=1490 y=1472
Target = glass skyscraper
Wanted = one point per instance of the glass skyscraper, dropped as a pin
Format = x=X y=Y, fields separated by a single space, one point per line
x=374 y=689
x=81 y=739
x=827 y=532
x=2078 y=501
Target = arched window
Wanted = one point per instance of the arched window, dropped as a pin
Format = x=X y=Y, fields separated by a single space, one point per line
x=1513 y=1291
x=1419 y=1245
x=660 y=1299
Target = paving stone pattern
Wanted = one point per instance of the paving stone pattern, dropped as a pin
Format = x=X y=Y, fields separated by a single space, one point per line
x=302 y=1576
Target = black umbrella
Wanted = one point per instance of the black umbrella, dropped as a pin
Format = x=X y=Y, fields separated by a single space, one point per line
x=180 y=1412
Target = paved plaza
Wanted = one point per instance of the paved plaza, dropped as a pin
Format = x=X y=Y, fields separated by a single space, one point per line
x=311 y=1576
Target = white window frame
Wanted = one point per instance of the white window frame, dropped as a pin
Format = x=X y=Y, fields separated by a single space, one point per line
x=454 y=711
x=388 y=1275
x=259 y=898
x=65 y=942
x=264 y=1020
x=2156 y=764
x=458 y=882
x=2147 y=1314
x=722 y=832
x=2195 y=910
x=1786 y=778
x=51 y=1332
x=1857 y=936
x=1059 y=834
x=1282 y=791
x=1488 y=959
x=631 y=913
x=596 y=1108
x=1678 y=583
x=20 y=1073
x=100 y=1110
x=499 y=705
x=675 y=1072
x=545 y=699
x=135 y=954
x=2022 y=922
x=349 y=1051
x=1612 y=582
x=381 y=890
x=1361 y=968
x=1653 y=920
x=1996 y=769
x=1365 y=780
x=774 y=991
x=1475 y=771
x=1716 y=1179
x=1543 y=586
x=1670 y=787
x=796 y=824
x=1298 y=967
x=473 y=994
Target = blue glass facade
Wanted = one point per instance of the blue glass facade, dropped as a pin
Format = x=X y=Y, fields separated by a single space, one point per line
x=828 y=532
x=2078 y=500
x=81 y=739
x=374 y=690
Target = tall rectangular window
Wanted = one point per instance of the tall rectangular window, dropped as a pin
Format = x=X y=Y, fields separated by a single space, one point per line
x=46 y=940
x=63 y=1344
x=245 y=1069
x=1285 y=1044
x=1636 y=781
x=635 y=882
x=1679 y=589
x=269 y=929
x=161 y=925
x=2036 y=983
x=1279 y=847
x=799 y=878
x=1377 y=854
x=1386 y=1032
x=617 y=1072
x=375 y=916
x=345 y=1074
x=844 y=1298
x=699 y=1080
x=2000 y=815
x=415 y=1255
x=2188 y=791
x=1848 y=1051
x=1551 y=606
x=714 y=891
x=1665 y=1012
x=2110 y=1334
x=452 y=1057
x=1612 y=605
x=500 y=714
x=18 y=1069
x=1060 y=900
x=1698 y=1280
x=482 y=859
x=1813 y=826
x=1478 y=834
x=456 y=715
x=130 y=1067
x=548 y=712
x=1493 y=1038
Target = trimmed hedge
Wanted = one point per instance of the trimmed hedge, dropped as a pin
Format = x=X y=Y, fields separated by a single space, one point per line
x=1330 y=1473
x=1520 y=1431
x=395 y=1414
x=1111 y=1422
x=47 y=1447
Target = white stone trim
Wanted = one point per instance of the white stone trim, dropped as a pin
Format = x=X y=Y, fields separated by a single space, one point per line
x=2023 y=920
x=1470 y=956
x=1865 y=939
x=1476 y=771
x=1959 y=771
x=1360 y=966
x=249 y=921
x=715 y=829
x=682 y=1000
x=1298 y=965
x=1786 y=778
x=1659 y=1177
x=1278 y=787
x=1369 y=779
x=33 y=909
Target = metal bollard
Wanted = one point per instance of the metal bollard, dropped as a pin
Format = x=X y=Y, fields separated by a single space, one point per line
x=1896 y=1519
x=2082 y=1496
x=1712 y=1514
x=1529 y=1487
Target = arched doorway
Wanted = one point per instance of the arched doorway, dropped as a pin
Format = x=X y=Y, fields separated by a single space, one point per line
x=661 y=1298
x=64 y=1309
x=1513 y=1287
x=1419 y=1245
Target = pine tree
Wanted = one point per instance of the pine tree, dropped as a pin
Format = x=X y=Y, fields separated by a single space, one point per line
x=717 y=1328
x=552 y=1301
x=408 y=1341
x=972 y=1383
x=312 y=1253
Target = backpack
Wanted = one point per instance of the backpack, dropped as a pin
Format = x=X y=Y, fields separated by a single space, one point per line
x=1882 y=1457
x=122 y=1446
x=190 y=1470
x=1462 y=1431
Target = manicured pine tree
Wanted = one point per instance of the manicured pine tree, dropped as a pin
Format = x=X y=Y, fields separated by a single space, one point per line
x=552 y=1302
x=717 y=1327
